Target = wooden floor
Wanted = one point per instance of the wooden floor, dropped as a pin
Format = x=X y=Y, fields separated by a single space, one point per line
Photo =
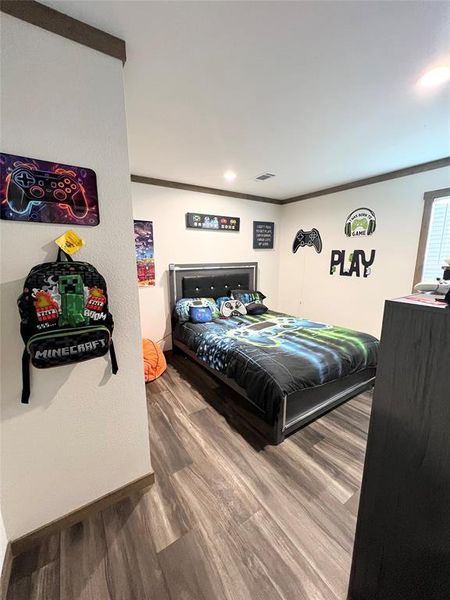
x=226 y=518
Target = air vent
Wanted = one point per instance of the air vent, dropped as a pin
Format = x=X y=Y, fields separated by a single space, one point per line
x=265 y=176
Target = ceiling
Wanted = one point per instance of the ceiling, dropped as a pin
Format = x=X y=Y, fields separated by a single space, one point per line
x=320 y=93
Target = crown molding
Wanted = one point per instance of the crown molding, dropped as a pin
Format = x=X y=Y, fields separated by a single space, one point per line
x=420 y=168
x=201 y=188
x=57 y=22
x=427 y=166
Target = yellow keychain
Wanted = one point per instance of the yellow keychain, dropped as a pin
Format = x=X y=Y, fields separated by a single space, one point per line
x=70 y=242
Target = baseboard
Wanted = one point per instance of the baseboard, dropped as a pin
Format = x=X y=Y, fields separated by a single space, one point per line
x=6 y=572
x=29 y=540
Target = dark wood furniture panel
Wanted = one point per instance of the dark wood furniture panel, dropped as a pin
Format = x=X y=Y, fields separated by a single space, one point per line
x=402 y=544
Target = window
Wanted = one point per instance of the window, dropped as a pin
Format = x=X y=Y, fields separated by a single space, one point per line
x=434 y=243
x=438 y=241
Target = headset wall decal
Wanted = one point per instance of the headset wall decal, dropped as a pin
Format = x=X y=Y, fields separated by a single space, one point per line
x=360 y=222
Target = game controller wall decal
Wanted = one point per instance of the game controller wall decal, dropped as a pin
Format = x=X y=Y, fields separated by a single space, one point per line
x=356 y=264
x=360 y=222
x=45 y=192
x=307 y=238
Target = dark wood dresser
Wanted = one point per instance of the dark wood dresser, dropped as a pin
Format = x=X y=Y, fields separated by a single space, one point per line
x=402 y=544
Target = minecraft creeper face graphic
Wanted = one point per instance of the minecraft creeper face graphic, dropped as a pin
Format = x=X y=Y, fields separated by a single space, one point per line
x=72 y=301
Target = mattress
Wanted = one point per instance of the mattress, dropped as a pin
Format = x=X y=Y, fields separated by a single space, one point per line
x=274 y=354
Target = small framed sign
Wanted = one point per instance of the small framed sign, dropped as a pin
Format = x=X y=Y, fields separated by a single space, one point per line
x=212 y=222
x=263 y=234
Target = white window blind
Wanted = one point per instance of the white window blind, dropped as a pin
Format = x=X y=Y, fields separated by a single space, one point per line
x=438 y=241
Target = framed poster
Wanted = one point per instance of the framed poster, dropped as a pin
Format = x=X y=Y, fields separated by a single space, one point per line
x=212 y=222
x=47 y=192
x=263 y=234
x=145 y=260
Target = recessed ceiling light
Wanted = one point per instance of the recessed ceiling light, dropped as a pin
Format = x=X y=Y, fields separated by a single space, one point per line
x=436 y=76
x=229 y=176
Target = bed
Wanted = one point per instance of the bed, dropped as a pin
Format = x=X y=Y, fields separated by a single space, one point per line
x=287 y=371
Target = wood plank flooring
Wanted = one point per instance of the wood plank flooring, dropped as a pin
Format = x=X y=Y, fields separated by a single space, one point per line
x=227 y=518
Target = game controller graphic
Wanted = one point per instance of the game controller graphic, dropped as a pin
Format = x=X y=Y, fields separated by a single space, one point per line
x=269 y=334
x=307 y=238
x=233 y=306
x=363 y=223
x=27 y=185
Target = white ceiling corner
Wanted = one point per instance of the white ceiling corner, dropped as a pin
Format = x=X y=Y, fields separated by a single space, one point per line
x=319 y=93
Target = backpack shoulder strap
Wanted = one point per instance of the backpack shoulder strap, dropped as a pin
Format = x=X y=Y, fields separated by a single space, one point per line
x=112 y=353
x=25 y=377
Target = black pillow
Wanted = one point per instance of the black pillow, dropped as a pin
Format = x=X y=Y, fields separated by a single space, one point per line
x=256 y=308
x=247 y=296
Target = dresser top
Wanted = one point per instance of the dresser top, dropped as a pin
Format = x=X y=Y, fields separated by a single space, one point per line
x=423 y=301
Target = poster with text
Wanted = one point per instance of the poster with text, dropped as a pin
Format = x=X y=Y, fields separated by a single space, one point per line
x=145 y=260
x=263 y=232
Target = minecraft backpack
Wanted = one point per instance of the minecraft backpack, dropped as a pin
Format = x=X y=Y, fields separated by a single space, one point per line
x=64 y=317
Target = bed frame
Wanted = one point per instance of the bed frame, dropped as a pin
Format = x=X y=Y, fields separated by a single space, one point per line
x=297 y=409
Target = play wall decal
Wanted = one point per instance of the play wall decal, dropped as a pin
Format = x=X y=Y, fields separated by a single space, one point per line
x=357 y=263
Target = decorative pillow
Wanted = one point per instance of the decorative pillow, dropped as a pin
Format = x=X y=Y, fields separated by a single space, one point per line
x=232 y=308
x=256 y=308
x=183 y=305
x=247 y=296
x=220 y=301
x=200 y=314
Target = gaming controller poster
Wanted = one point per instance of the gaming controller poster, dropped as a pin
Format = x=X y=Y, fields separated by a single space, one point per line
x=39 y=191
x=145 y=260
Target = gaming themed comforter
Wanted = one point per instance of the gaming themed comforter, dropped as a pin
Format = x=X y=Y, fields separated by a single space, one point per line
x=274 y=354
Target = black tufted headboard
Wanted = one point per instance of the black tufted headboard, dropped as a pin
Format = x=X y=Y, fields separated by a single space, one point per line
x=210 y=280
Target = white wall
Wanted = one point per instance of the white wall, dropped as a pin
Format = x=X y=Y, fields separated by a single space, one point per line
x=84 y=432
x=305 y=286
x=300 y=283
x=174 y=243
x=3 y=535
x=3 y=542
